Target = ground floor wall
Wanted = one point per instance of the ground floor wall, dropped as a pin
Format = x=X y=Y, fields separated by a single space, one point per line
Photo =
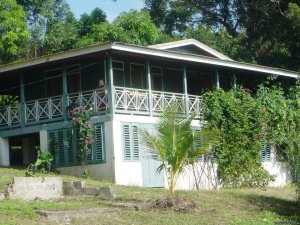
x=127 y=160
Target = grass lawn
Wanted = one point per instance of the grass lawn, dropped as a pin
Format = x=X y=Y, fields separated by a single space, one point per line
x=225 y=206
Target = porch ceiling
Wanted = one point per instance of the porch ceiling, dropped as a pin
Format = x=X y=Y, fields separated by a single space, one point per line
x=184 y=57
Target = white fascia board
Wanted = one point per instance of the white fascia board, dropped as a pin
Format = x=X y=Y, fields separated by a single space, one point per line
x=204 y=60
x=55 y=57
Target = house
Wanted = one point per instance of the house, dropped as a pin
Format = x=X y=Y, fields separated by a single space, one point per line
x=140 y=81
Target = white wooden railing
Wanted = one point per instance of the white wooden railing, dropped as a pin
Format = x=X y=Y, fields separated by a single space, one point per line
x=138 y=101
x=126 y=100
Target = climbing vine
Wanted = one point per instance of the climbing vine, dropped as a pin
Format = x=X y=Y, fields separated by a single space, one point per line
x=85 y=132
x=240 y=123
x=247 y=122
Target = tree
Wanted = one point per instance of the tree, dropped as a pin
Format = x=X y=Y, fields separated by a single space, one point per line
x=174 y=144
x=13 y=30
x=266 y=29
x=134 y=27
x=86 y=22
x=46 y=22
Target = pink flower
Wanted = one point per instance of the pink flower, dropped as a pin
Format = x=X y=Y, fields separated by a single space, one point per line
x=89 y=141
x=89 y=123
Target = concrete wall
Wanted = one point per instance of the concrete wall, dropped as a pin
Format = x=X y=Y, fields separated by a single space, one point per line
x=130 y=172
x=31 y=188
x=280 y=170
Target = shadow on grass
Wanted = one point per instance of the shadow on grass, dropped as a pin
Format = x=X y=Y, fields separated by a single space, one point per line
x=282 y=207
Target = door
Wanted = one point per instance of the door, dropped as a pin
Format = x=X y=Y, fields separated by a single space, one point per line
x=151 y=177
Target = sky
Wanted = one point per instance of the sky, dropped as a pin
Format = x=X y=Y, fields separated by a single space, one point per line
x=110 y=7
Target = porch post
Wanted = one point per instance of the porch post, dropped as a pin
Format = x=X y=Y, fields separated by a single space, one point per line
x=217 y=79
x=65 y=92
x=4 y=151
x=148 y=73
x=43 y=140
x=22 y=101
x=234 y=80
x=186 y=97
x=110 y=84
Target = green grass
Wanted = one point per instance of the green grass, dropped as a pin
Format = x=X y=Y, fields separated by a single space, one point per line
x=225 y=206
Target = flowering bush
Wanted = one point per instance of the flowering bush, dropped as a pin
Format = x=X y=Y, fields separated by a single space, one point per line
x=85 y=132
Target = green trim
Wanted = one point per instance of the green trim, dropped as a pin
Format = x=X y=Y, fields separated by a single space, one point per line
x=62 y=144
x=22 y=101
x=111 y=84
x=185 y=90
x=149 y=86
x=65 y=92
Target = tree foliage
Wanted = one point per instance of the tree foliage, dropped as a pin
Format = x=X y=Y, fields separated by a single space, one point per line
x=13 y=30
x=267 y=30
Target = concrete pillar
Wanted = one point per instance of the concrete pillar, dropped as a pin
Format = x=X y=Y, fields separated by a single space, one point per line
x=29 y=150
x=4 y=152
x=43 y=140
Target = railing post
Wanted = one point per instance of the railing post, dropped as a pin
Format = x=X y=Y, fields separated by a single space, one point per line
x=65 y=93
x=22 y=101
x=8 y=115
x=111 y=84
x=150 y=102
x=186 y=97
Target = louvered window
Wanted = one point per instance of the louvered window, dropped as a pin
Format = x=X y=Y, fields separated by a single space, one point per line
x=131 y=142
x=63 y=146
x=266 y=153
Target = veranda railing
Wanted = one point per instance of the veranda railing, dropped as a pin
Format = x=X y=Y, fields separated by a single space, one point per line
x=126 y=100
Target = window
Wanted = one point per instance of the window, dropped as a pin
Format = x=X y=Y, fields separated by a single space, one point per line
x=63 y=146
x=199 y=82
x=137 y=76
x=174 y=81
x=266 y=153
x=53 y=82
x=73 y=78
x=130 y=142
x=156 y=78
x=206 y=156
x=118 y=73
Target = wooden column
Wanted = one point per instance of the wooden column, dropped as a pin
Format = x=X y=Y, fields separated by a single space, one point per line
x=217 y=79
x=148 y=74
x=110 y=76
x=234 y=80
x=22 y=101
x=65 y=92
x=186 y=97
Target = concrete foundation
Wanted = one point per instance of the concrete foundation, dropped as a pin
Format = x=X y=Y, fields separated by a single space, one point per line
x=31 y=188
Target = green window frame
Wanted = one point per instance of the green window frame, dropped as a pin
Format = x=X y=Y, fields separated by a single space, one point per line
x=63 y=145
x=130 y=141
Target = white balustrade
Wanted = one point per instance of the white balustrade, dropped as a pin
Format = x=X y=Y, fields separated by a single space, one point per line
x=131 y=100
x=126 y=100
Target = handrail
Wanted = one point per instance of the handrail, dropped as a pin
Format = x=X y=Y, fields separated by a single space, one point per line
x=126 y=100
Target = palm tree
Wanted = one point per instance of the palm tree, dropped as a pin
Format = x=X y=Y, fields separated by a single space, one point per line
x=174 y=143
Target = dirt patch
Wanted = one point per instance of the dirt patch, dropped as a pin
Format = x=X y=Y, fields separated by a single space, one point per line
x=176 y=203
x=66 y=216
